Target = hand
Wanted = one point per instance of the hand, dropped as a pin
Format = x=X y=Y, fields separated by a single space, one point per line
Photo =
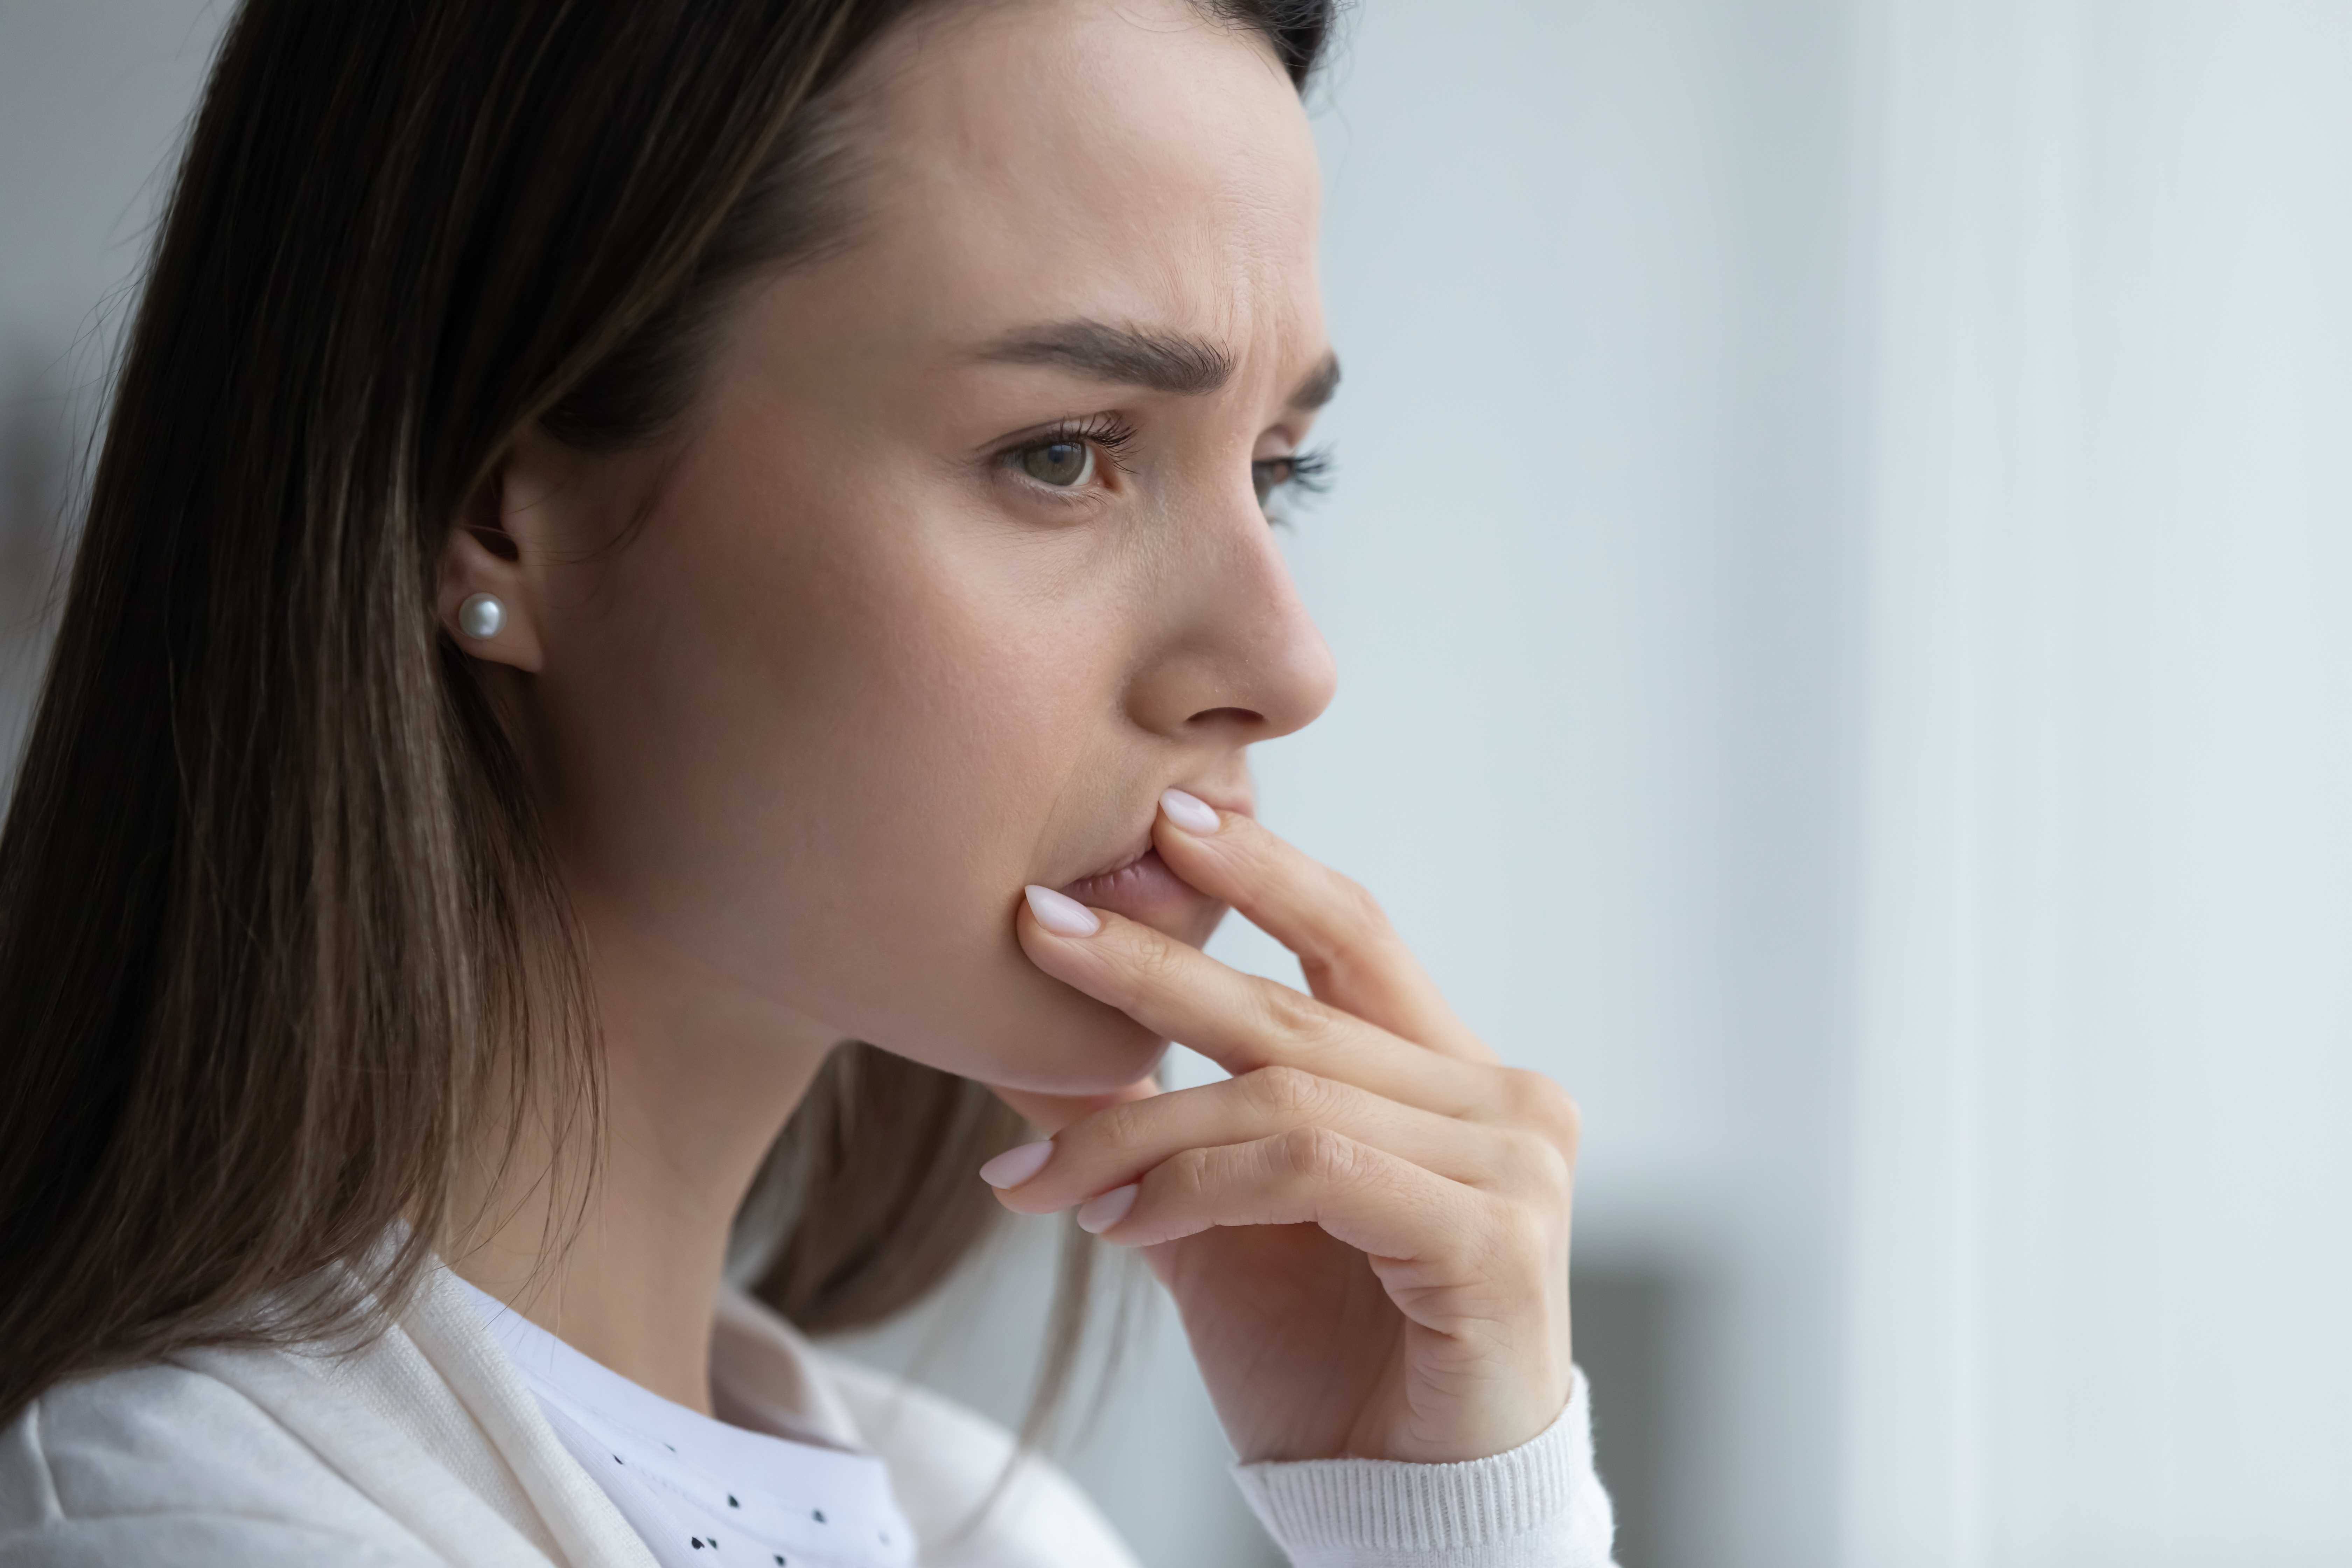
x=1366 y=1227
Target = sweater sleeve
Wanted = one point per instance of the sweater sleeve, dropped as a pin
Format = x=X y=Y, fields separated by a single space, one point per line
x=1539 y=1506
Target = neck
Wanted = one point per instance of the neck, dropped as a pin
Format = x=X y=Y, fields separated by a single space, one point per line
x=699 y=1079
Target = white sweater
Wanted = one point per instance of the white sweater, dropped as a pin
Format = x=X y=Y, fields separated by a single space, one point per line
x=426 y=1449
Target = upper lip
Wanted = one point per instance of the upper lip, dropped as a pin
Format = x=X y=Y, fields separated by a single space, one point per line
x=1141 y=845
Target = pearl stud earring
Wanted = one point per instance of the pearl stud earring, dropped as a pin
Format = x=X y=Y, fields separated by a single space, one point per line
x=481 y=617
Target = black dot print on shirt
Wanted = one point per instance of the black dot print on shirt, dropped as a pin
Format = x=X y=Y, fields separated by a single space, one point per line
x=697 y=1541
x=819 y=1515
x=732 y=1502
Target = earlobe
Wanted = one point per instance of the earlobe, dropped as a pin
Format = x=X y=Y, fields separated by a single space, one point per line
x=486 y=599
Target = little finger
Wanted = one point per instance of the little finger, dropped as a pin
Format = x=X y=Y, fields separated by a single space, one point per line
x=1117 y=1143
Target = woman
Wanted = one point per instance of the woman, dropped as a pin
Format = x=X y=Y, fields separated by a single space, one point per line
x=635 y=544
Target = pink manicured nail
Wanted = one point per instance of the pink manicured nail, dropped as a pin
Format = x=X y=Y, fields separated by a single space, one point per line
x=1099 y=1213
x=1015 y=1166
x=1061 y=914
x=1189 y=812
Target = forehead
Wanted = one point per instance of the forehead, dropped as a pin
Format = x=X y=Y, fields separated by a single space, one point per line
x=1121 y=161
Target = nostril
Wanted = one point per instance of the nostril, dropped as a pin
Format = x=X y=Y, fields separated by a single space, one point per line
x=1228 y=718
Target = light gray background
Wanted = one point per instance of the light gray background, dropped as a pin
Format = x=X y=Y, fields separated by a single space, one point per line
x=1680 y=522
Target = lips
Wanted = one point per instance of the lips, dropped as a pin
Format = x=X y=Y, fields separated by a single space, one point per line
x=1139 y=884
x=1140 y=875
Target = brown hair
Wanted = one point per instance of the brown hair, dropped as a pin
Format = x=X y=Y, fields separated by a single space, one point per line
x=279 y=935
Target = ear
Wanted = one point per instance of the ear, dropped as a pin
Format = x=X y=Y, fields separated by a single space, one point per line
x=483 y=556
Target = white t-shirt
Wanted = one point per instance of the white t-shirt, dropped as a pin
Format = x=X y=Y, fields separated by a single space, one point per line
x=704 y=1493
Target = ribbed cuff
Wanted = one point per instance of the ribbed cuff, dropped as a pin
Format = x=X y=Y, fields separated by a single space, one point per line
x=1538 y=1503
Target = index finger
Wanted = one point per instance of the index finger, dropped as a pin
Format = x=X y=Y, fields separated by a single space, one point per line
x=1240 y=1022
x=1352 y=956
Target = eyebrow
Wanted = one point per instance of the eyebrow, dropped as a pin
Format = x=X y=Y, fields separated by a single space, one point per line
x=1161 y=362
x=1321 y=382
x=1183 y=366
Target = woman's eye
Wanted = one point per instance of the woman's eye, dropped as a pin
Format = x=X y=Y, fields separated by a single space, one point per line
x=1268 y=475
x=1302 y=473
x=1061 y=464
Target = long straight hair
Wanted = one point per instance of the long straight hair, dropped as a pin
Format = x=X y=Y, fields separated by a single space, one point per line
x=281 y=937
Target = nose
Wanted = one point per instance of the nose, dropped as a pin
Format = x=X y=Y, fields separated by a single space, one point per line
x=1236 y=658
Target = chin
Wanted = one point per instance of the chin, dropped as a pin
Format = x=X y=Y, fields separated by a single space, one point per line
x=1074 y=1045
x=1014 y=1026
x=1020 y=1028
x=1077 y=1046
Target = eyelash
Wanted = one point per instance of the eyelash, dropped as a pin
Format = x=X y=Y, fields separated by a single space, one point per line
x=1304 y=473
x=1107 y=433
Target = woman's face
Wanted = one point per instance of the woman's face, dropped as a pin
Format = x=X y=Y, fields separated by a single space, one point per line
x=964 y=561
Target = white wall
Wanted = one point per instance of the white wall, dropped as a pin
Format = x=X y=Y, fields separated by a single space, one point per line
x=2101 y=1263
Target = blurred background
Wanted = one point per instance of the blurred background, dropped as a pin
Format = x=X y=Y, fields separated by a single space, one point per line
x=1842 y=578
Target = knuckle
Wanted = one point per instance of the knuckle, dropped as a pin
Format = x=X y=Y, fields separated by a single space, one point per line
x=1143 y=968
x=1543 y=1167
x=1356 y=906
x=1523 y=1158
x=1286 y=1094
x=1532 y=1100
x=1514 y=1231
x=1118 y=1129
x=1153 y=963
x=1320 y=1155
x=1352 y=930
x=1184 y=1179
x=1292 y=1015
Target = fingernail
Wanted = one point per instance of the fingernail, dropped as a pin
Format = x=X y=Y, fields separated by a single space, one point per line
x=1099 y=1213
x=1189 y=812
x=1061 y=914
x=1015 y=1166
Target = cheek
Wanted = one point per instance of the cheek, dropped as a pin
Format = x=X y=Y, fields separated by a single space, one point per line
x=818 y=756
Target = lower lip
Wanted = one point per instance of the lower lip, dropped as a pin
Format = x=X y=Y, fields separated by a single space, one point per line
x=1146 y=890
